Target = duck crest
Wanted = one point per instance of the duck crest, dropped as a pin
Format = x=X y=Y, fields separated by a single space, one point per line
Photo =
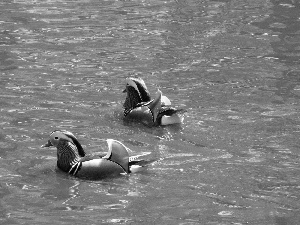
x=142 y=90
x=80 y=150
x=68 y=159
x=132 y=100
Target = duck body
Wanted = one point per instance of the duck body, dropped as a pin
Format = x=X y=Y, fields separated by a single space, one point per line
x=139 y=106
x=98 y=168
x=72 y=159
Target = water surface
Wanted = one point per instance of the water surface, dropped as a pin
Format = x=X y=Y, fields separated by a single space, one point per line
x=234 y=65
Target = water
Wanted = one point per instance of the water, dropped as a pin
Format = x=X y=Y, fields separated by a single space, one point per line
x=234 y=65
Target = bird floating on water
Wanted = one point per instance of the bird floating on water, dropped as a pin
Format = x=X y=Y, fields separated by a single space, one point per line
x=139 y=106
x=72 y=159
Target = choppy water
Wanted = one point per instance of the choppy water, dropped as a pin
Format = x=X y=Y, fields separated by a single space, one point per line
x=233 y=64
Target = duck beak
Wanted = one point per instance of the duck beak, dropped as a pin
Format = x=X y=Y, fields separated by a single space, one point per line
x=48 y=144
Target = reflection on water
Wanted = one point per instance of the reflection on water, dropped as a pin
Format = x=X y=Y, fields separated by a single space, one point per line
x=232 y=64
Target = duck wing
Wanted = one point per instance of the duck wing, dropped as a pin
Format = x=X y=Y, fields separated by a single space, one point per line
x=117 y=152
x=91 y=157
x=155 y=105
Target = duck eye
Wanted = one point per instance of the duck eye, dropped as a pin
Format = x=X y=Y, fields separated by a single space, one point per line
x=56 y=138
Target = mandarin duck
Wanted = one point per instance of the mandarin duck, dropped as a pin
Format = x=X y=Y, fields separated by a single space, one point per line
x=72 y=159
x=139 y=106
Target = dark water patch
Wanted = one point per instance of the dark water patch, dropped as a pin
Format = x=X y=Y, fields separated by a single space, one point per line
x=7 y=62
x=6 y=38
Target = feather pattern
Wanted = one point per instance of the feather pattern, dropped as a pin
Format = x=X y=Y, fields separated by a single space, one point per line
x=68 y=159
x=131 y=101
x=138 y=97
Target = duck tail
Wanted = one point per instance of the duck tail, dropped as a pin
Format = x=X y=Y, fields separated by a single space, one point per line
x=169 y=111
x=137 y=165
x=136 y=160
x=142 y=162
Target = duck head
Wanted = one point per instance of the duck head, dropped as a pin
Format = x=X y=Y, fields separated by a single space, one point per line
x=59 y=135
x=137 y=92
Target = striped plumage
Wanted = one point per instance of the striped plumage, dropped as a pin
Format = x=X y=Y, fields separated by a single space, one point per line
x=137 y=94
x=68 y=160
x=131 y=101
x=138 y=105
x=71 y=158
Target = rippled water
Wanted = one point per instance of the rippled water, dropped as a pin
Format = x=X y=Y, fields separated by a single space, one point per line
x=233 y=64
